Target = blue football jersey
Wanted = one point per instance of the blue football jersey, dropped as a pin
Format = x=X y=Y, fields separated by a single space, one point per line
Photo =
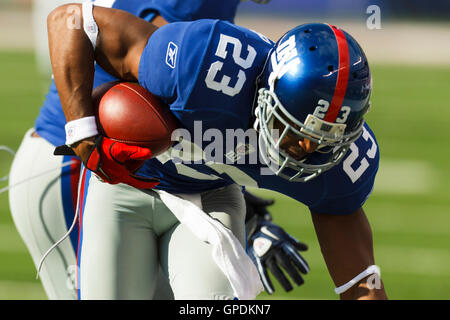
x=206 y=72
x=179 y=10
x=51 y=120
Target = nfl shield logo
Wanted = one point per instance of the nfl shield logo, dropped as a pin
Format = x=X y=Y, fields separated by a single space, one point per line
x=242 y=149
x=92 y=28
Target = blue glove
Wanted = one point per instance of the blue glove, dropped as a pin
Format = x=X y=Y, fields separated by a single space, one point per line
x=272 y=248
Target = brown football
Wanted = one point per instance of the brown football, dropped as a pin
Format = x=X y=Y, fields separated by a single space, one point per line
x=127 y=112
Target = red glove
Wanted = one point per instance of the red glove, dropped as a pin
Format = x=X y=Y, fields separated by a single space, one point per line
x=117 y=162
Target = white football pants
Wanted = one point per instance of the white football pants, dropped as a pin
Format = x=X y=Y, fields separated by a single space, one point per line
x=126 y=233
x=40 y=204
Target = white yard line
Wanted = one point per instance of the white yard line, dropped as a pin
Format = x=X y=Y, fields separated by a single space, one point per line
x=405 y=177
x=416 y=261
x=400 y=260
x=408 y=228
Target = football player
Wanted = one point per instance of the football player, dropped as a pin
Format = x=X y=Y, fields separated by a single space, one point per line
x=312 y=89
x=43 y=207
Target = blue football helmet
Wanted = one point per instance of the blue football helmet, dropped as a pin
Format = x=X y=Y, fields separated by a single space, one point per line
x=317 y=84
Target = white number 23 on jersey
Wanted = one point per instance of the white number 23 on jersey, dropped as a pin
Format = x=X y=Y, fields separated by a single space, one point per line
x=355 y=174
x=223 y=84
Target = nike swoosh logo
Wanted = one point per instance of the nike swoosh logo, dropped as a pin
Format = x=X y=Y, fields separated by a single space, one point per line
x=266 y=231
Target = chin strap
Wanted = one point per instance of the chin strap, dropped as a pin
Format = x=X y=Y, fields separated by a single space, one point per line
x=373 y=269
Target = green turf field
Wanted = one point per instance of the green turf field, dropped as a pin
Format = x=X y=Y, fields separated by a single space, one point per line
x=409 y=209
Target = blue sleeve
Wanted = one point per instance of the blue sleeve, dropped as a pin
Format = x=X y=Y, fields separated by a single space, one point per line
x=349 y=185
x=340 y=190
x=180 y=10
x=162 y=61
x=346 y=204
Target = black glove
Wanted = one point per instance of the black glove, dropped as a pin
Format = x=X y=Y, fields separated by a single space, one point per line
x=272 y=248
x=256 y=209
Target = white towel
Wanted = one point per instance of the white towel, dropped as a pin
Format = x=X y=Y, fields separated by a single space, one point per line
x=227 y=251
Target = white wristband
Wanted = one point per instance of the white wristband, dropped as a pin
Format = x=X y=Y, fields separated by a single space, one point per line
x=370 y=270
x=80 y=129
x=89 y=25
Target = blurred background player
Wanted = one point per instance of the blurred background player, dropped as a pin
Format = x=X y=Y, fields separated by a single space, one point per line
x=313 y=86
x=43 y=208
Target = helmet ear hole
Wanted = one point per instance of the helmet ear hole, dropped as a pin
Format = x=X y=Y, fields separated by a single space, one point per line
x=330 y=68
x=313 y=48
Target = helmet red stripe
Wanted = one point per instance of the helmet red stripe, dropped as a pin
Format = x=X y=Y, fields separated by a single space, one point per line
x=342 y=77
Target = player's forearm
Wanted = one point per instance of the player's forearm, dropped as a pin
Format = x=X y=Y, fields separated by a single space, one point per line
x=347 y=248
x=118 y=48
x=72 y=58
x=78 y=35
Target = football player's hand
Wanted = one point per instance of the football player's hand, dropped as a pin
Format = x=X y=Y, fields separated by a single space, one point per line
x=114 y=162
x=256 y=205
x=272 y=248
x=256 y=209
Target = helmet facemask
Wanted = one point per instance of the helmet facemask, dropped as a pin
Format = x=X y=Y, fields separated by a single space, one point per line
x=331 y=139
x=315 y=86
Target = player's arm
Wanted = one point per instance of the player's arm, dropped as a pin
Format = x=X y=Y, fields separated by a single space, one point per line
x=159 y=21
x=119 y=45
x=347 y=247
